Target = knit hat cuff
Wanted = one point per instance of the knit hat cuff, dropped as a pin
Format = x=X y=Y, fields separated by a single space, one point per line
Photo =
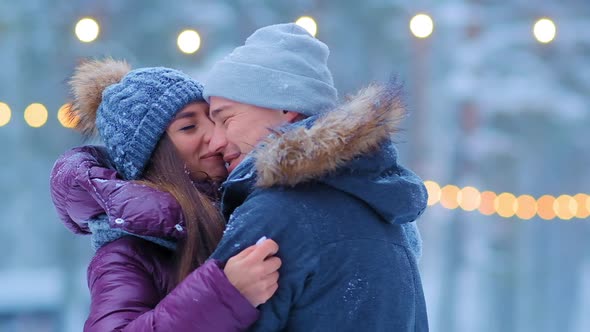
x=264 y=87
x=154 y=124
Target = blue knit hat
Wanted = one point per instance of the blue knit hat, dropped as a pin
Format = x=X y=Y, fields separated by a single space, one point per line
x=279 y=67
x=130 y=109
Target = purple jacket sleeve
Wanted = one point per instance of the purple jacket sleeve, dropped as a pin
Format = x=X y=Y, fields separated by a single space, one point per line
x=125 y=297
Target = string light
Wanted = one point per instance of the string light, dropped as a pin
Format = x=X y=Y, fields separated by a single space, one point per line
x=544 y=30
x=433 y=192
x=486 y=206
x=87 y=30
x=565 y=207
x=506 y=205
x=66 y=118
x=421 y=25
x=5 y=114
x=545 y=207
x=449 y=197
x=583 y=206
x=36 y=115
x=189 y=41
x=309 y=24
x=469 y=199
x=526 y=207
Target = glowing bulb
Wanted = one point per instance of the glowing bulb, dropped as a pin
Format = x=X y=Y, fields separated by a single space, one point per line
x=506 y=205
x=526 y=207
x=308 y=24
x=87 y=30
x=5 y=114
x=36 y=115
x=544 y=30
x=66 y=118
x=469 y=199
x=486 y=206
x=421 y=25
x=449 y=195
x=583 y=210
x=189 y=41
x=545 y=207
x=565 y=207
x=433 y=192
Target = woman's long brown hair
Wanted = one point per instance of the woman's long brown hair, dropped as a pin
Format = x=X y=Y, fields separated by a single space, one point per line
x=204 y=223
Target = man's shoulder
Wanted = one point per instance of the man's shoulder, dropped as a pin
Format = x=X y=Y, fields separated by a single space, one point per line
x=281 y=210
x=304 y=192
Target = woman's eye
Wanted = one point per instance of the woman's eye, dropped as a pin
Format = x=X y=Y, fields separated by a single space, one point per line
x=187 y=128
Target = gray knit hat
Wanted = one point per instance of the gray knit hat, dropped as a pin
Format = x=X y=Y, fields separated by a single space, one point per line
x=130 y=109
x=279 y=67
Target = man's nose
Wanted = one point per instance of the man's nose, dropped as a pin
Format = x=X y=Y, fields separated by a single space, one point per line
x=217 y=141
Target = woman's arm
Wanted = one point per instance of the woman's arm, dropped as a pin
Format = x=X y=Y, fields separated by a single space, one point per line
x=125 y=297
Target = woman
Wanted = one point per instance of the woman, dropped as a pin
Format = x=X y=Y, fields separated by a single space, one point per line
x=153 y=235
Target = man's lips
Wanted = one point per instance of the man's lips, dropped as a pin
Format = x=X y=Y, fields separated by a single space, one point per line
x=211 y=155
x=229 y=160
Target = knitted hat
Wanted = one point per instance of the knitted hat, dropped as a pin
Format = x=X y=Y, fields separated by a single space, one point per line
x=130 y=109
x=279 y=67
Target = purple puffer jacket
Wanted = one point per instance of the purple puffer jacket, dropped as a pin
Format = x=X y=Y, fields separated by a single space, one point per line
x=130 y=278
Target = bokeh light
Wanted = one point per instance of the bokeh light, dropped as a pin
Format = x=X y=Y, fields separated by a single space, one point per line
x=308 y=24
x=87 y=30
x=189 y=41
x=469 y=199
x=505 y=204
x=486 y=205
x=526 y=207
x=449 y=197
x=544 y=30
x=65 y=117
x=565 y=207
x=545 y=207
x=5 y=114
x=433 y=192
x=421 y=25
x=36 y=115
x=583 y=210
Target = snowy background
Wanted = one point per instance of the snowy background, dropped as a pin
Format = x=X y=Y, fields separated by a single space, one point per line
x=492 y=108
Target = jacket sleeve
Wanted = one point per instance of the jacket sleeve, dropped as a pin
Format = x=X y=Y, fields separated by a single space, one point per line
x=124 y=297
x=281 y=216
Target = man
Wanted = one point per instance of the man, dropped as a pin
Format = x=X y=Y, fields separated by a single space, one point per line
x=325 y=185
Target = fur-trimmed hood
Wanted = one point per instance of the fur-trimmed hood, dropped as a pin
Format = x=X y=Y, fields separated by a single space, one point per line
x=351 y=149
x=356 y=128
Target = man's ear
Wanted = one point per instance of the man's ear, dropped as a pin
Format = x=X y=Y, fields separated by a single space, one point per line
x=292 y=117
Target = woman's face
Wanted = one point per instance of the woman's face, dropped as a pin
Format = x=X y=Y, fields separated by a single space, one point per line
x=191 y=131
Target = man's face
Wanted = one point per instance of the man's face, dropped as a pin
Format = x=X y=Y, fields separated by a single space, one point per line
x=239 y=127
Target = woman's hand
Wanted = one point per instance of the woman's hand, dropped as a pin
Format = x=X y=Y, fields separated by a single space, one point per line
x=254 y=271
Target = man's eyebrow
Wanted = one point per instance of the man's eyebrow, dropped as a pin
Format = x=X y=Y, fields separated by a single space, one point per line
x=184 y=115
x=216 y=111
